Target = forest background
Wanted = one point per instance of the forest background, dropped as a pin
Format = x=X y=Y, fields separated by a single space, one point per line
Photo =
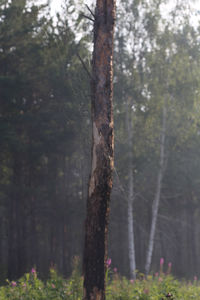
x=45 y=135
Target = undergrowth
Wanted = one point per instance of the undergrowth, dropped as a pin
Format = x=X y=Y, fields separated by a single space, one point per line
x=154 y=287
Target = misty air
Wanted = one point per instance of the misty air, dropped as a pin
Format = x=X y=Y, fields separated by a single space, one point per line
x=99 y=150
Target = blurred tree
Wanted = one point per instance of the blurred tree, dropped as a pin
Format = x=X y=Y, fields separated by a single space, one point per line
x=41 y=123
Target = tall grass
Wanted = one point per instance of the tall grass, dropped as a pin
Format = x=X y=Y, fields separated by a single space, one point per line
x=153 y=287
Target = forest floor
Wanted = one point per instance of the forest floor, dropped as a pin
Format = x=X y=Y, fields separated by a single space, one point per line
x=158 y=287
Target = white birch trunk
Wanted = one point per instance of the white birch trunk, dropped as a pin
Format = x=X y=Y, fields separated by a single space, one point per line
x=156 y=201
x=131 y=244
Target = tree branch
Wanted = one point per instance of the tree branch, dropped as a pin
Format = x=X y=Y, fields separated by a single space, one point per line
x=90 y=11
x=87 y=17
x=120 y=185
x=84 y=66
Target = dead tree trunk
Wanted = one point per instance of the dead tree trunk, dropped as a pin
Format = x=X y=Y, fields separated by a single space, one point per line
x=100 y=182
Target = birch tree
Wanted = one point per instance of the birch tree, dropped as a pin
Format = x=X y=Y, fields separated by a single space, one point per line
x=177 y=104
x=156 y=200
x=100 y=182
x=131 y=243
x=126 y=102
x=138 y=20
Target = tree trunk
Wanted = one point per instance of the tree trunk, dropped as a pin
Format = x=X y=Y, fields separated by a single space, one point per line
x=157 y=194
x=16 y=219
x=131 y=244
x=100 y=182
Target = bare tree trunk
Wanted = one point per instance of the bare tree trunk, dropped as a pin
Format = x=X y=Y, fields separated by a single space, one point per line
x=156 y=201
x=14 y=218
x=100 y=183
x=131 y=244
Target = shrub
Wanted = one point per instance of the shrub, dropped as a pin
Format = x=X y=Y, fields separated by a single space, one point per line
x=157 y=287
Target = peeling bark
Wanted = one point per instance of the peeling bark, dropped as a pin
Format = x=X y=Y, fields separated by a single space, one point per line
x=96 y=142
x=100 y=182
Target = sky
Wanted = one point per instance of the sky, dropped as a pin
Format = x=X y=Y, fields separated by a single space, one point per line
x=56 y=4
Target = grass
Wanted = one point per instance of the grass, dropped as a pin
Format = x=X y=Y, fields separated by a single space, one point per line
x=158 y=287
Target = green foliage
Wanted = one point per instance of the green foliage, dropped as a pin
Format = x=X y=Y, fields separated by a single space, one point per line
x=158 y=287
x=43 y=111
x=31 y=287
x=44 y=142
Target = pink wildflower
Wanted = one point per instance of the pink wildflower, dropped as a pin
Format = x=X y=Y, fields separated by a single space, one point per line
x=146 y=291
x=156 y=274
x=34 y=273
x=161 y=264
x=160 y=279
x=132 y=281
x=13 y=283
x=161 y=261
x=24 y=284
x=53 y=286
x=115 y=270
x=195 y=278
x=169 y=268
x=108 y=262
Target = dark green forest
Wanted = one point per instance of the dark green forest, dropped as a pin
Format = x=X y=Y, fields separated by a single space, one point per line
x=45 y=136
